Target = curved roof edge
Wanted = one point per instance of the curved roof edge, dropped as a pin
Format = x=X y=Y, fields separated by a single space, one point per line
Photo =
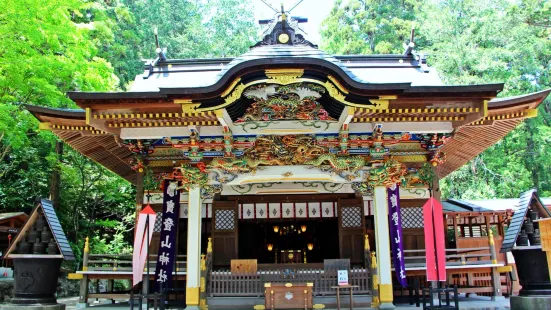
x=519 y=100
x=55 y=112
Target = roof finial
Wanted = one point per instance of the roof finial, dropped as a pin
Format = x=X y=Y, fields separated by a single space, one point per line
x=158 y=49
x=411 y=44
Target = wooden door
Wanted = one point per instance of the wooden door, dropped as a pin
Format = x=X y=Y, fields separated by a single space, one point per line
x=351 y=229
x=224 y=232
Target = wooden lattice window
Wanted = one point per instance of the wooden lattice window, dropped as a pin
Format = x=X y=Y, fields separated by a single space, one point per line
x=224 y=219
x=351 y=217
x=412 y=217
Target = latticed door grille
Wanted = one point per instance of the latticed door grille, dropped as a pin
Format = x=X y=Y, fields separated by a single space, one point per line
x=224 y=219
x=412 y=217
x=351 y=217
x=158 y=225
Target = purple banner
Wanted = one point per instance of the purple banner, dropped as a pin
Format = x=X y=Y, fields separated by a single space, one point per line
x=396 y=241
x=169 y=226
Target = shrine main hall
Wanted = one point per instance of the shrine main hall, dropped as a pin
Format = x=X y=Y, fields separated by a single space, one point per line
x=283 y=160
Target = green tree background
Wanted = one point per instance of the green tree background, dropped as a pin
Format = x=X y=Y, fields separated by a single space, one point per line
x=49 y=47
x=469 y=42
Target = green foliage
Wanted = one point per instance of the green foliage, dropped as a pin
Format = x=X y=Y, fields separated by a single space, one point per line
x=469 y=42
x=49 y=47
x=368 y=26
x=488 y=42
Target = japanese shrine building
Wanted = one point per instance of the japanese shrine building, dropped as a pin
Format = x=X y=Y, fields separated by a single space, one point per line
x=285 y=153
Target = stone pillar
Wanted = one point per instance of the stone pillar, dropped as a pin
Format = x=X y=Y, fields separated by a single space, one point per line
x=382 y=238
x=193 y=279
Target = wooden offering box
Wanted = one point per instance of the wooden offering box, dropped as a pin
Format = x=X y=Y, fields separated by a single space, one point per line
x=288 y=296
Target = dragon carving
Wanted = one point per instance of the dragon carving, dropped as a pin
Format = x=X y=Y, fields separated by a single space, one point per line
x=390 y=173
x=351 y=164
x=242 y=165
x=296 y=101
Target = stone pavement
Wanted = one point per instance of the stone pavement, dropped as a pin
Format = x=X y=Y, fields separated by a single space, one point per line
x=471 y=303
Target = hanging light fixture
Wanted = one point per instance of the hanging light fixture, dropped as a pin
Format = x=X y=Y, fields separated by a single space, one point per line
x=270 y=247
x=310 y=246
x=276 y=229
x=303 y=228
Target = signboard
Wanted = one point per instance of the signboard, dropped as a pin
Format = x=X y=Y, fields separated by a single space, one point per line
x=342 y=276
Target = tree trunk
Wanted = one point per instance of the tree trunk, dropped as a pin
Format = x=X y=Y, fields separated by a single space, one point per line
x=55 y=179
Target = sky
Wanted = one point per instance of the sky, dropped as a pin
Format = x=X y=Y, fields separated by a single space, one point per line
x=314 y=10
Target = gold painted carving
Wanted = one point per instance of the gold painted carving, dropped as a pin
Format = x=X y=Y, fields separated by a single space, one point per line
x=203 y=286
x=283 y=38
x=380 y=103
x=45 y=126
x=230 y=88
x=530 y=113
x=284 y=76
x=203 y=263
x=88 y=114
x=235 y=94
x=334 y=92
x=339 y=85
x=187 y=105
x=209 y=245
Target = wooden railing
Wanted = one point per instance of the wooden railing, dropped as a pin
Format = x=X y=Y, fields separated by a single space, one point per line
x=224 y=283
x=123 y=262
x=454 y=257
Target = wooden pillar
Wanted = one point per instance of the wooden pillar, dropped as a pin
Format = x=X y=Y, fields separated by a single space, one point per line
x=455 y=228
x=496 y=279
x=83 y=294
x=139 y=192
x=193 y=269
x=382 y=237
x=435 y=186
x=55 y=180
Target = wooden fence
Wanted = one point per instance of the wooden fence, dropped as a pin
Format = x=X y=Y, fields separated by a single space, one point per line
x=223 y=283
x=122 y=262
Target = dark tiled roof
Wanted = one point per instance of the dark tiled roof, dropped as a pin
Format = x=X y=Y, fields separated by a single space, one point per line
x=456 y=205
x=55 y=228
x=527 y=199
x=9 y=215
x=376 y=69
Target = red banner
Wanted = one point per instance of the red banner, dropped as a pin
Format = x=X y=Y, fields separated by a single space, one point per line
x=435 y=244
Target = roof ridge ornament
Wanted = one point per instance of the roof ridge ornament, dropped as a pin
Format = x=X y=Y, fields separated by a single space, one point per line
x=280 y=29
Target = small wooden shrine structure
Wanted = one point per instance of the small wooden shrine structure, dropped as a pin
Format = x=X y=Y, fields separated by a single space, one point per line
x=524 y=240
x=285 y=154
x=10 y=223
x=37 y=253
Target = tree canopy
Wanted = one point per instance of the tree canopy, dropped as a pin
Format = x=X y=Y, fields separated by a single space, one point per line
x=50 y=47
x=469 y=42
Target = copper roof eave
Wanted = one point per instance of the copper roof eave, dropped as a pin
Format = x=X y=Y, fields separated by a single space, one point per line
x=470 y=141
x=37 y=111
x=536 y=97
x=103 y=149
x=487 y=90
